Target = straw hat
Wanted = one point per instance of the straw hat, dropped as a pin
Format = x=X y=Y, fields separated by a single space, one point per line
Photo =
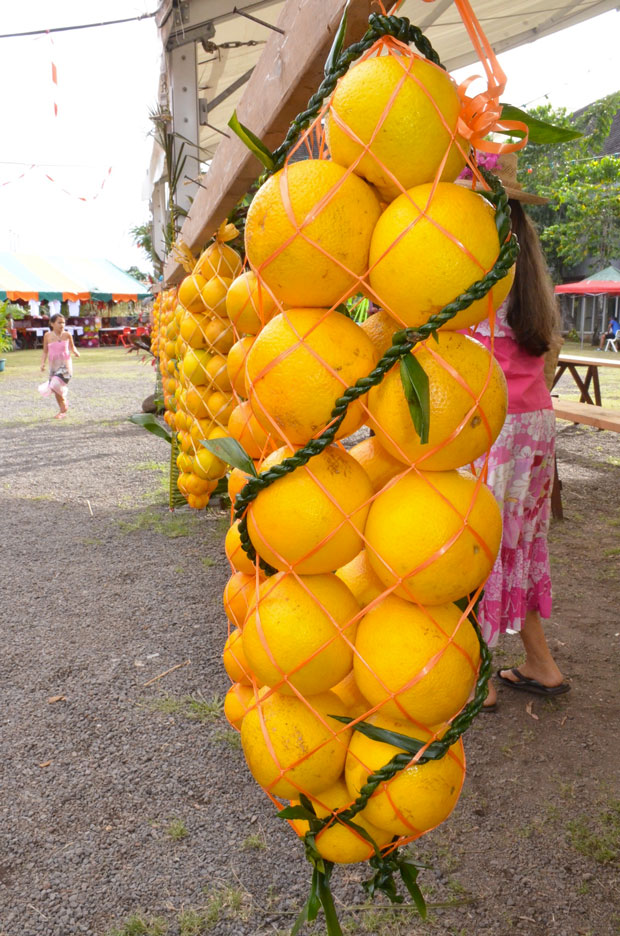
x=506 y=171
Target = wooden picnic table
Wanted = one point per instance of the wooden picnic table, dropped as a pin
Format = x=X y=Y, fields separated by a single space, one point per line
x=588 y=411
x=571 y=363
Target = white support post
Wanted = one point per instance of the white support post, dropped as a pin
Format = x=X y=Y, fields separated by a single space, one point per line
x=160 y=220
x=184 y=93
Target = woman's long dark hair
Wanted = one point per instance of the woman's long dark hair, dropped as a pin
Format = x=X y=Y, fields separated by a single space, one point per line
x=532 y=310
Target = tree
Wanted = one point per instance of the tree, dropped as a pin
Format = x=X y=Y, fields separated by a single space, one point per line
x=588 y=197
x=583 y=214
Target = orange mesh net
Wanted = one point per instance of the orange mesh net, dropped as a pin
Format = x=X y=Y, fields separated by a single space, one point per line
x=357 y=559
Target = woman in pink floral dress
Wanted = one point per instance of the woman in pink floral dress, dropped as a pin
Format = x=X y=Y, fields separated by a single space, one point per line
x=521 y=465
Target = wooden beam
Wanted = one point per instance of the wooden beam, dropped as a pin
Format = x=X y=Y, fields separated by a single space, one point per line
x=287 y=74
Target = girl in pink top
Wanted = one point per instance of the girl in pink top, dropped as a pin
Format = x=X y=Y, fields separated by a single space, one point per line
x=58 y=347
x=521 y=468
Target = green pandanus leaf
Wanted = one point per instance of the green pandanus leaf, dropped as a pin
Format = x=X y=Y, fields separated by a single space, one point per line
x=415 y=386
x=231 y=452
x=253 y=143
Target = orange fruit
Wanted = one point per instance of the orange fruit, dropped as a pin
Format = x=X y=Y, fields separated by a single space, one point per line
x=339 y=842
x=238 y=593
x=196 y=401
x=416 y=799
x=465 y=415
x=399 y=114
x=235 y=364
x=380 y=328
x=234 y=659
x=213 y=294
x=198 y=501
x=292 y=744
x=207 y=465
x=320 y=354
x=348 y=692
x=184 y=462
x=248 y=304
x=217 y=374
x=182 y=483
x=237 y=556
x=200 y=429
x=237 y=480
x=419 y=664
x=313 y=518
x=180 y=421
x=434 y=535
x=332 y=209
x=361 y=579
x=299 y=634
x=378 y=464
x=219 y=335
x=194 y=367
x=193 y=329
x=245 y=428
x=218 y=259
x=190 y=293
x=237 y=703
x=429 y=246
x=220 y=406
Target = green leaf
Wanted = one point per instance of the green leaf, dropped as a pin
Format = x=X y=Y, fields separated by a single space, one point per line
x=403 y=742
x=331 y=917
x=148 y=421
x=297 y=812
x=409 y=874
x=232 y=453
x=539 y=130
x=415 y=385
x=337 y=44
x=252 y=142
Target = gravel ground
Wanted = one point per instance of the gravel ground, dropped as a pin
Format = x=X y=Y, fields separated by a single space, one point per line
x=125 y=804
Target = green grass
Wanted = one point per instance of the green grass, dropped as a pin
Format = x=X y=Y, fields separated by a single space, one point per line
x=254 y=842
x=169 y=524
x=162 y=467
x=230 y=737
x=139 y=925
x=597 y=837
x=177 y=830
x=200 y=709
x=194 y=923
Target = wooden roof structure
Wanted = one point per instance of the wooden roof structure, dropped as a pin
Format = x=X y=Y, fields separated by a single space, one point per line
x=265 y=59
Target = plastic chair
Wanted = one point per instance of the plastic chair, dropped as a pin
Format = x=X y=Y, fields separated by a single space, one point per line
x=141 y=330
x=123 y=338
x=612 y=343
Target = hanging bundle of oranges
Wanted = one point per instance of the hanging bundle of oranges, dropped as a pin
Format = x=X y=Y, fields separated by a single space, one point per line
x=357 y=562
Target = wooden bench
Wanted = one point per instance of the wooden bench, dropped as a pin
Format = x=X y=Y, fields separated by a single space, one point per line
x=599 y=416
x=590 y=415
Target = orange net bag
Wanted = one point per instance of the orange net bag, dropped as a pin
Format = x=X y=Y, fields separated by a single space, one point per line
x=199 y=336
x=357 y=558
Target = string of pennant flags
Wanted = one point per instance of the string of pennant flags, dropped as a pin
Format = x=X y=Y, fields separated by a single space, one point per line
x=84 y=198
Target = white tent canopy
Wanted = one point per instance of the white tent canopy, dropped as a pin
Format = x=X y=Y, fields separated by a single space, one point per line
x=211 y=48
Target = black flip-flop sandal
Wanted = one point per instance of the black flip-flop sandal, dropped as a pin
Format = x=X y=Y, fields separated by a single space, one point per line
x=523 y=684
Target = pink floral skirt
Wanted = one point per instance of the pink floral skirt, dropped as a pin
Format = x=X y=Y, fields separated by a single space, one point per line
x=521 y=468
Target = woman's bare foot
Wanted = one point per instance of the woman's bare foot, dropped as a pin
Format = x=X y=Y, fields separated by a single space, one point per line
x=491 y=699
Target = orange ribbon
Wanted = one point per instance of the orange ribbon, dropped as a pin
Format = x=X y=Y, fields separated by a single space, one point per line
x=482 y=114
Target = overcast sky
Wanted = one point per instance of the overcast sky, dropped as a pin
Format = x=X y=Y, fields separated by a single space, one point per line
x=107 y=82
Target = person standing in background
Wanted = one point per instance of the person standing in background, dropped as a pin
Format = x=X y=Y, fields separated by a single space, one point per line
x=517 y=594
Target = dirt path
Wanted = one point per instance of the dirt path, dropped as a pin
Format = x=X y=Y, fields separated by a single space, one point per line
x=126 y=796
